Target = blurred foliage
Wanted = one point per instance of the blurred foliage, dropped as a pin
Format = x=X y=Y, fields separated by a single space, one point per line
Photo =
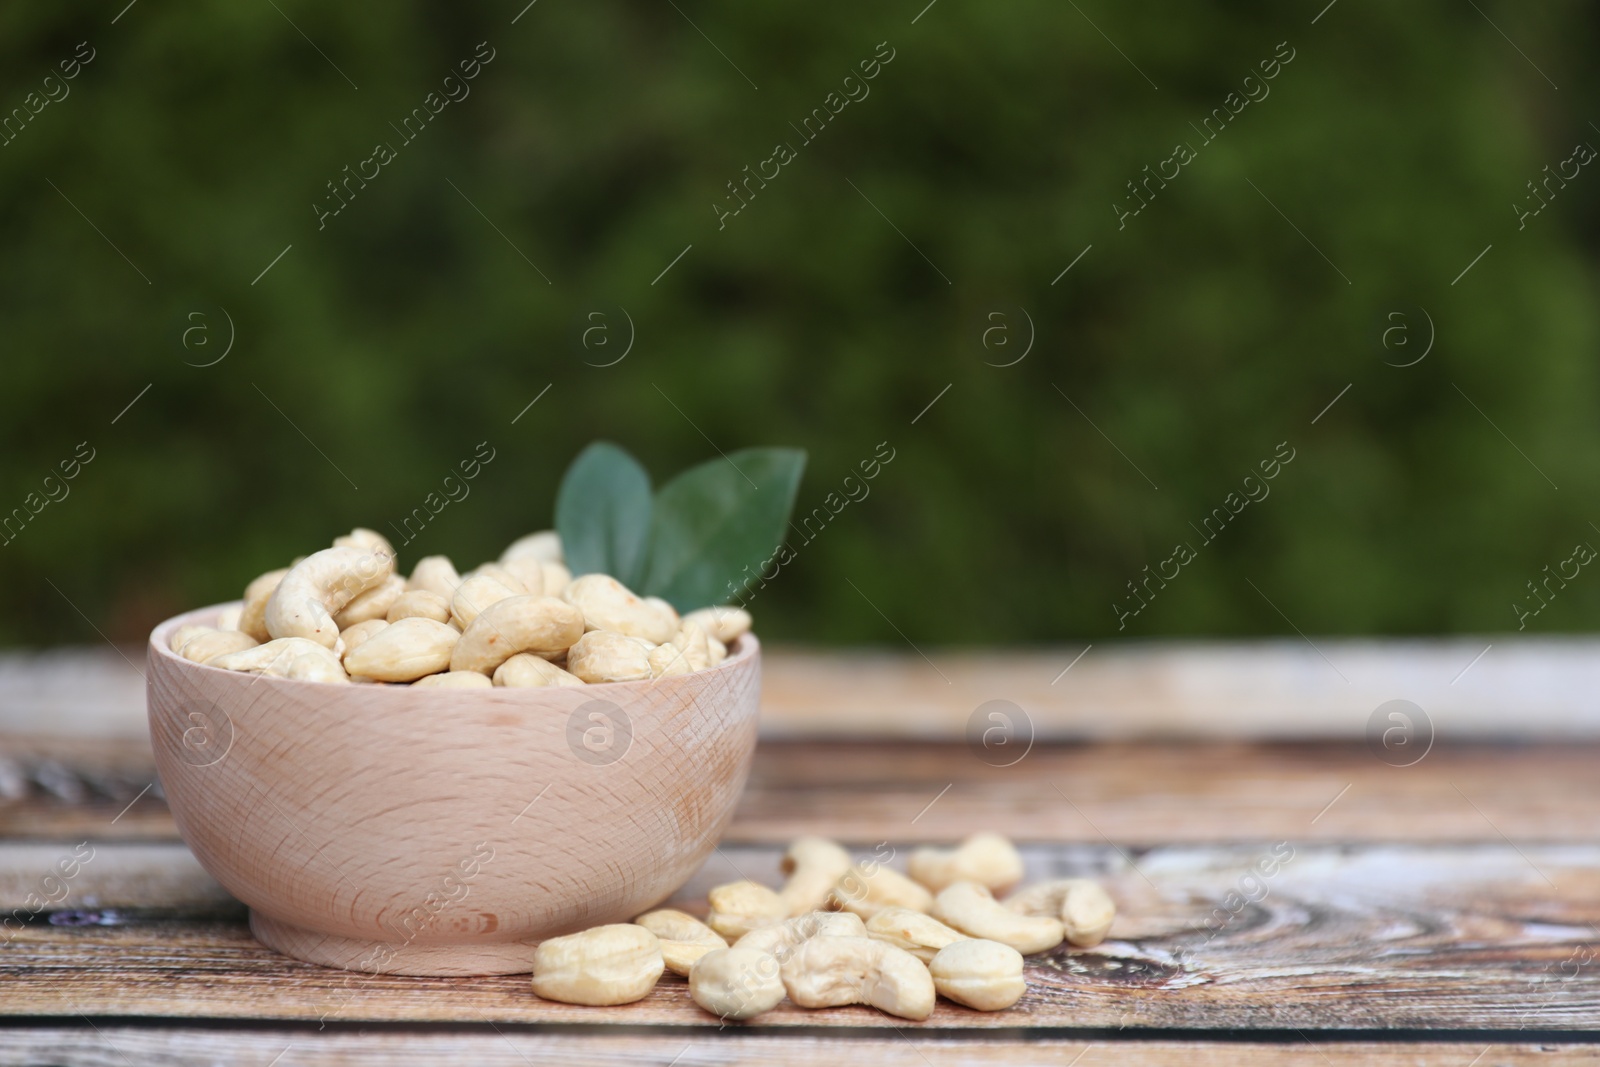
x=382 y=349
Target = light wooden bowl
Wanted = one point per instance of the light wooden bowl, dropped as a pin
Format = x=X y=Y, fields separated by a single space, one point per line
x=446 y=831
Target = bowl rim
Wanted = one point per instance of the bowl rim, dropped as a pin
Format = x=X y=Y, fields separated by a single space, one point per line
x=744 y=649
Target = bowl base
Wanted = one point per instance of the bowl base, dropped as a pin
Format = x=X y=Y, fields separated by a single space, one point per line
x=381 y=957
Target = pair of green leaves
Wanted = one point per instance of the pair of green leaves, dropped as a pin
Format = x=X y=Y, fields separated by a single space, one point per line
x=687 y=542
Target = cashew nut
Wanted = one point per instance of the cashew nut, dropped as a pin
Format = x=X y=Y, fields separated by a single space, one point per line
x=985 y=975
x=354 y=635
x=867 y=892
x=420 y=604
x=781 y=939
x=530 y=572
x=403 y=651
x=602 y=656
x=183 y=633
x=435 y=574
x=305 y=601
x=691 y=638
x=607 y=604
x=725 y=624
x=739 y=907
x=827 y=972
x=718 y=650
x=1085 y=909
x=205 y=647
x=287 y=657
x=505 y=577
x=736 y=983
x=616 y=964
x=476 y=593
x=814 y=865
x=544 y=545
x=453 y=680
x=363 y=538
x=228 y=617
x=664 y=609
x=542 y=625
x=972 y=909
x=526 y=671
x=556 y=577
x=666 y=660
x=253 y=617
x=986 y=858
x=373 y=604
x=919 y=934
x=683 y=938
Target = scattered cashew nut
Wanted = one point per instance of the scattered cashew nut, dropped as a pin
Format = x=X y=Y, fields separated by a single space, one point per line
x=615 y=964
x=683 y=938
x=814 y=866
x=981 y=974
x=827 y=972
x=739 y=907
x=986 y=858
x=781 y=939
x=919 y=934
x=736 y=983
x=867 y=892
x=972 y=909
x=1085 y=909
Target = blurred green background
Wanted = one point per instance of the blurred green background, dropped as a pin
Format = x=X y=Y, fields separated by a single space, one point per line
x=859 y=283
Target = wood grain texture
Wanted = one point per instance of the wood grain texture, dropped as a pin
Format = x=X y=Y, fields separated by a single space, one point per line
x=125 y=1046
x=1334 y=938
x=1134 y=794
x=440 y=831
x=1280 y=689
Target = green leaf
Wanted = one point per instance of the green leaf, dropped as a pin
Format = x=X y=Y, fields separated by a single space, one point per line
x=714 y=520
x=603 y=513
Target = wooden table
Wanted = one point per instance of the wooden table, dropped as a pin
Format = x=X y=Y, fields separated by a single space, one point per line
x=1439 y=913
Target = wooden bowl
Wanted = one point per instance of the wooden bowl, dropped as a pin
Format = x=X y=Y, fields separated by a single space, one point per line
x=446 y=831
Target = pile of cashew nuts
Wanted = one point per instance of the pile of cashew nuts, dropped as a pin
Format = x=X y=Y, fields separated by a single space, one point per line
x=840 y=933
x=345 y=615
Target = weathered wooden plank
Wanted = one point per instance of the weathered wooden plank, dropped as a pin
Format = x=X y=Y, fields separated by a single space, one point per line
x=1523 y=687
x=122 y=1046
x=1129 y=793
x=1491 y=937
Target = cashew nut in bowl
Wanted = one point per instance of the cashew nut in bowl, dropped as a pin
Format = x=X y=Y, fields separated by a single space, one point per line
x=435 y=574
x=827 y=972
x=814 y=866
x=986 y=858
x=477 y=593
x=228 y=618
x=286 y=657
x=373 y=604
x=354 y=635
x=736 y=983
x=544 y=545
x=602 y=656
x=683 y=938
x=527 y=671
x=616 y=964
x=363 y=538
x=420 y=604
x=972 y=909
x=207 y=646
x=985 y=975
x=453 y=680
x=867 y=892
x=543 y=625
x=607 y=604
x=403 y=651
x=919 y=934
x=1085 y=909
x=253 y=615
x=318 y=587
x=725 y=624
x=739 y=907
